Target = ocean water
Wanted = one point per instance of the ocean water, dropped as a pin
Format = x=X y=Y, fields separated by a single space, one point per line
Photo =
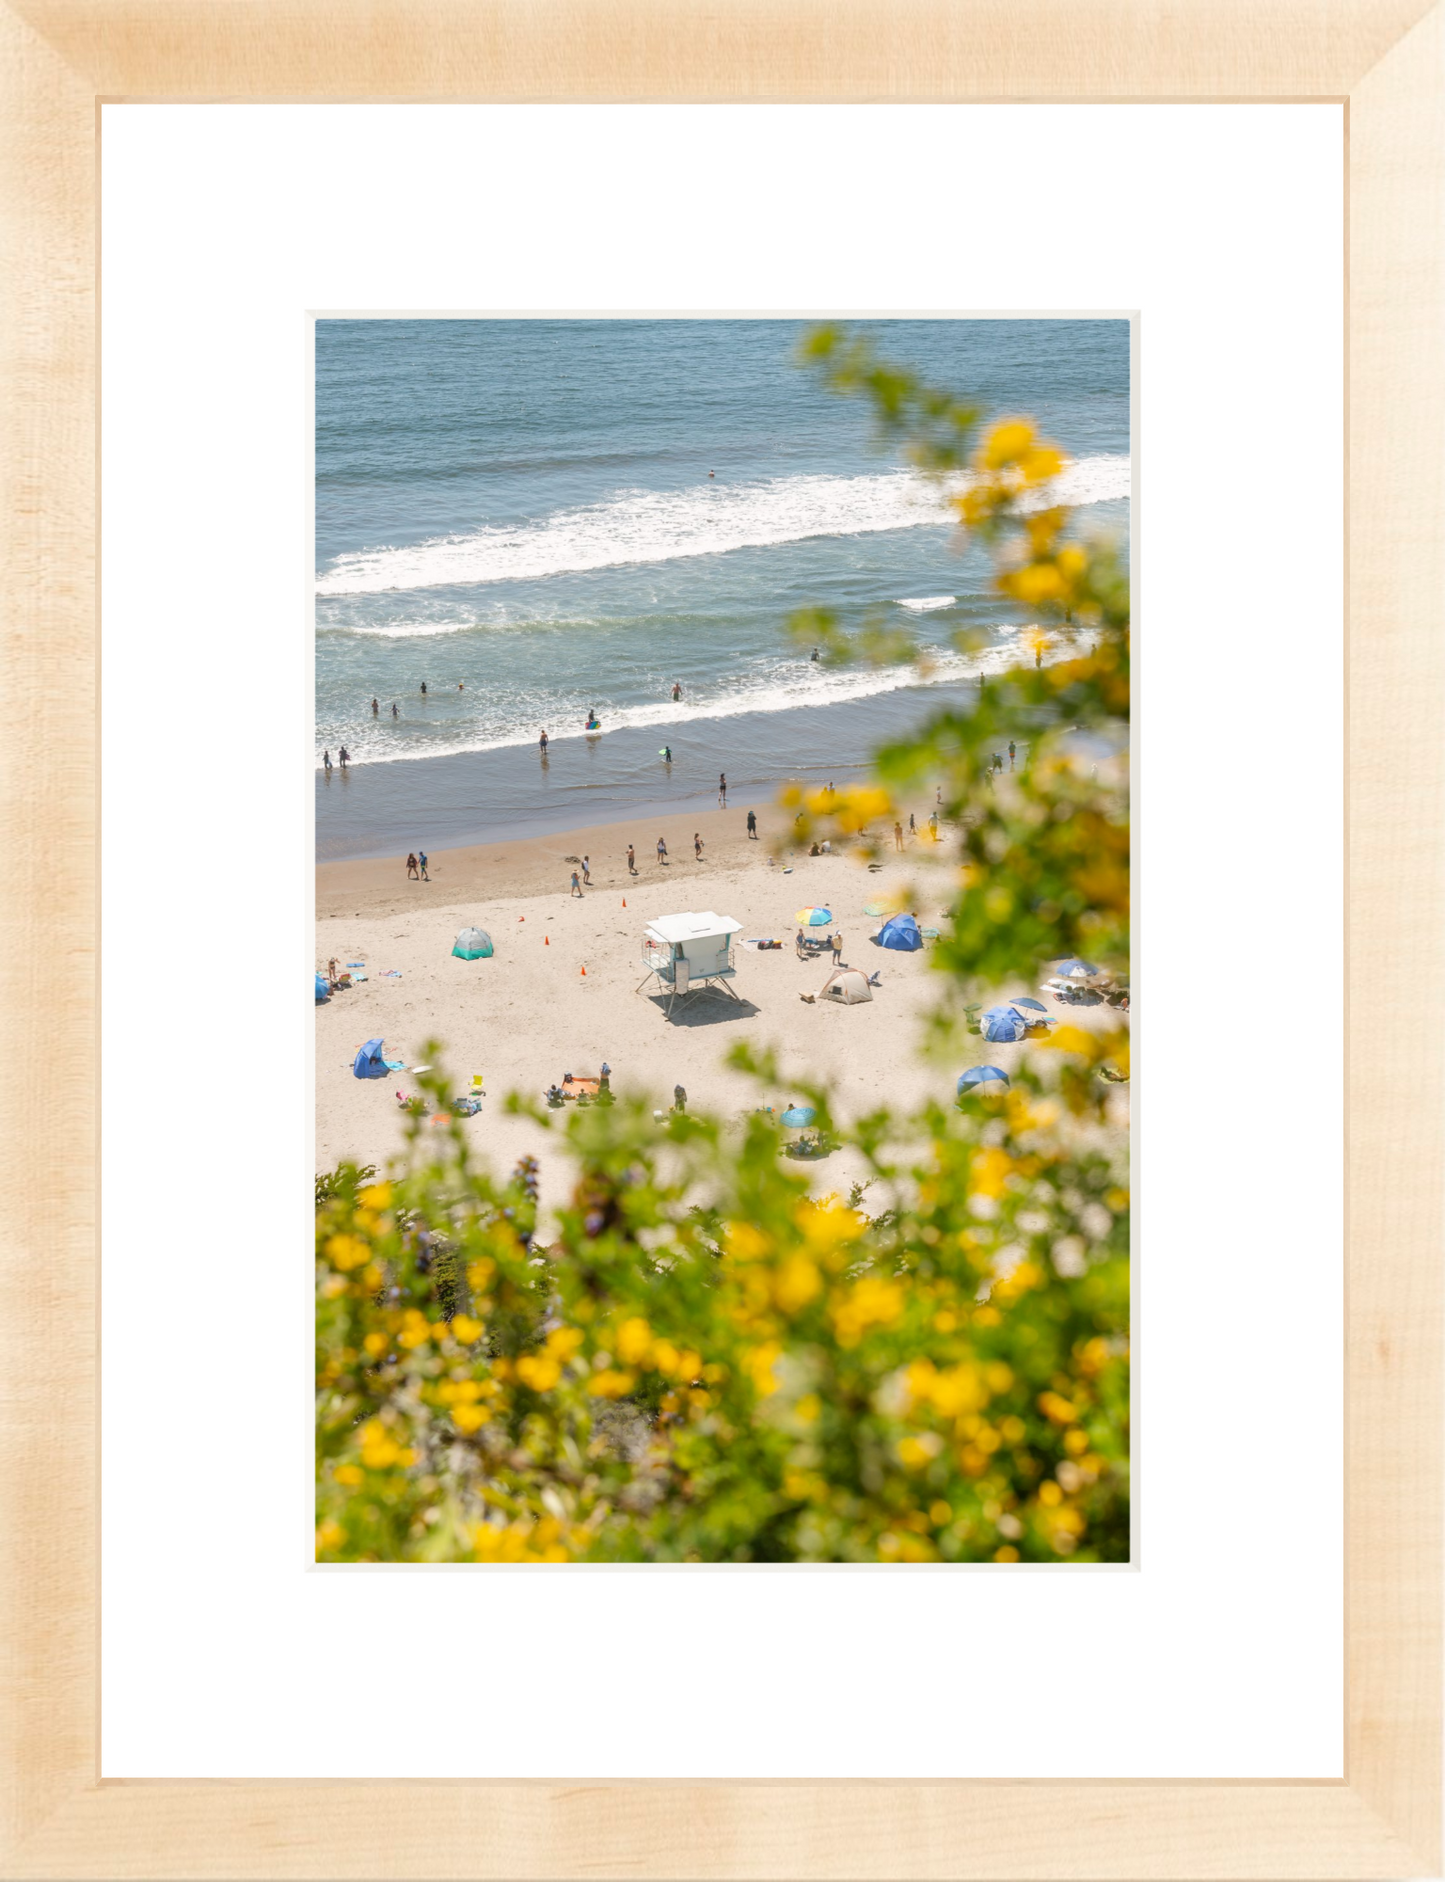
x=539 y=519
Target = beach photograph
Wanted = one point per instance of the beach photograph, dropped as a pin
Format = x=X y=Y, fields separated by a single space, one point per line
x=722 y=977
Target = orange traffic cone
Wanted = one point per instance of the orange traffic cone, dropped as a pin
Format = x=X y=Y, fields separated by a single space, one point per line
x=624 y=901
x=584 y=973
x=546 y=940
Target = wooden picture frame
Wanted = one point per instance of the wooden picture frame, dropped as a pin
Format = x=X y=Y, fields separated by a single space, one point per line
x=1382 y=58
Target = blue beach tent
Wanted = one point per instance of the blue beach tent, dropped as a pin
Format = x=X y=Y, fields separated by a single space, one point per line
x=369 y=1062
x=323 y=991
x=901 y=932
x=473 y=944
x=978 y=1077
x=1003 y=1025
x=799 y=1116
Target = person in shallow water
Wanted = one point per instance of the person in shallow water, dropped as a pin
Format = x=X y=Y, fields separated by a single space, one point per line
x=375 y=708
x=326 y=759
x=423 y=687
x=542 y=742
x=394 y=712
x=677 y=684
x=344 y=755
x=667 y=754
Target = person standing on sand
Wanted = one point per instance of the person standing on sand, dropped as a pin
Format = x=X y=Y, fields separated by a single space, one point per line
x=722 y=790
x=1010 y=754
x=898 y=836
x=576 y=885
x=631 y=860
x=661 y=851
x=587 y=871
x=421 y=860
x=410 y=867
x=933 y=825
x=696 y=847
x=752 y=826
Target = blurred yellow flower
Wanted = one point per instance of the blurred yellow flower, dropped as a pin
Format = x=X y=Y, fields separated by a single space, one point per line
x=539 y=1371
x=563 y=1342
x=469 y=1418
x=796 y=1283
x=1006 y=443
x=348 y=1474
x=611 y=1384
x=376 y=1195
x=634 y=1342
x=329 y=1535
x=346 y=1252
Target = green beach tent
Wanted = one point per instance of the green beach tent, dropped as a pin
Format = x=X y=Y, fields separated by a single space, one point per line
x=473 y=944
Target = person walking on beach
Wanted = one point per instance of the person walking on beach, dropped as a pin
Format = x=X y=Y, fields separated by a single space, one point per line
x=696 y=847
x=1010 y=754
x=421 y=860
x=912 y=826
x=345 y=756
x=326 y=759
x=661 y=850
x=576 y=885
x=587 y=871
x=722 y=790
x=410 y=866
x=898 y=836
x=631 y=860
x=933 y=825
x=752 y=826
x=375 y=707
x=542 y=742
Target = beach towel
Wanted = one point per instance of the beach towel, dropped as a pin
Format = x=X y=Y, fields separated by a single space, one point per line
x=395 y=1065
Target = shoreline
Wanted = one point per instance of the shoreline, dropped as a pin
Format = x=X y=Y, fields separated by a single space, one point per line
x=537 y=864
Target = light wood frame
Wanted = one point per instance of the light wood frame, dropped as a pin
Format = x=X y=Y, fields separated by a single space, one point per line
x=58 y=59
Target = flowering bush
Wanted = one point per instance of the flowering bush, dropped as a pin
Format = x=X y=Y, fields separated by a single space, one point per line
x=702 y=1362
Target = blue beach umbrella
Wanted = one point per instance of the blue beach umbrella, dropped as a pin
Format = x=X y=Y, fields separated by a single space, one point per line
x=978 y=1076
x=1003 y=1025
x=799 y=1115
x=1074 y=969
x=1034 y=1006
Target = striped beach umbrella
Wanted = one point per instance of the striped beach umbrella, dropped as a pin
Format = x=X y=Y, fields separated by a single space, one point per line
x=813 y=917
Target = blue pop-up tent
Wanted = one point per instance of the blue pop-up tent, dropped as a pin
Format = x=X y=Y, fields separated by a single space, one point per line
x=369 y=1062
x=1003 y=1025
x=323 y=990
x=901 y=932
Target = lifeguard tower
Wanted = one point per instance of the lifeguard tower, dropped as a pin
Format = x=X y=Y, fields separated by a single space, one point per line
x=690 y=954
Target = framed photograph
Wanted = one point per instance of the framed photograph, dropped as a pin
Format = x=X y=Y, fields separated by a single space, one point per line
x=619 y=536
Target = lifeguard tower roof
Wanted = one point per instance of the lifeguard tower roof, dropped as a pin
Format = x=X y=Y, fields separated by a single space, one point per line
x=673 y=930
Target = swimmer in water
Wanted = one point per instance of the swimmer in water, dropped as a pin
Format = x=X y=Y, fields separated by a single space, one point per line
x=677 y=689
x=375 y=708
x=423 y=688
x=394 y=713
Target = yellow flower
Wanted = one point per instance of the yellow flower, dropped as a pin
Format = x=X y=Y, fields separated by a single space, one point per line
x=808 y=1408
x=1008 y=1553
x=330 y=1535
x=760 y=1363
x=611 y=1384
x=940 y=1513
x=1007 y=442
x=469 y=1418
x=1057 y=1408
x=465 y=1329
x=915 y=1452
x=825 y=1229
x=1071 y=1039
x=563 y=1342
x=988 y=1170
x=1040 y=464
x=346 y=1252
x=746 y=1243
x=376 y=1344
x=872 y=1301
x=479 y=1272
x=540 y=1371
x=349 y=1474
x=634 y=1342
x=1035 y=582
x=796 y=1283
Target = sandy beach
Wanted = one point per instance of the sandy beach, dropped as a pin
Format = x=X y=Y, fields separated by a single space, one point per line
x=530 y=1014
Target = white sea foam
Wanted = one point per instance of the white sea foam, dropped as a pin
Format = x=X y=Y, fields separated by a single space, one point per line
x=784 y=690
x=927 y=604
x=639 y=526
